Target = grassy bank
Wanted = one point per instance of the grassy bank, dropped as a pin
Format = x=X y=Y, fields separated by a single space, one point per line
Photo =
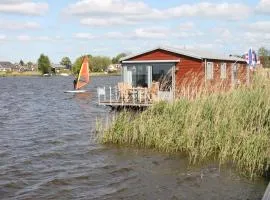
x=7 y=74
x=233 y=127
x=35 y=73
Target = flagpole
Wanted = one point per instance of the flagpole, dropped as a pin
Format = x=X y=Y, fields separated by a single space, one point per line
x=248 y=75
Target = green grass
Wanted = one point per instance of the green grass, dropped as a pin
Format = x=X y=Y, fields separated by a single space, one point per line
x=28 y=73
x=232 y=127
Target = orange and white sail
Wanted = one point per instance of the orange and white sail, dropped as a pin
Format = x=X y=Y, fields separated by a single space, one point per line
x=83 y=78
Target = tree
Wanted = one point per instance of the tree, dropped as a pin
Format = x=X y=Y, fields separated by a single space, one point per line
x=264 y=56
x=21 y=63
x=66 y=62
x=29 y=64
x=96 y=64
x=78 y=63
x=116 y=59
x=44 y=64
x=100 y=63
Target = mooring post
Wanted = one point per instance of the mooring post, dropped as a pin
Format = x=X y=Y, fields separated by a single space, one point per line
x=110 y=94
x=115 y=91
x=104 y=93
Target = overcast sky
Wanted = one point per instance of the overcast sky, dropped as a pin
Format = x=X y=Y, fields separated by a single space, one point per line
x=71 y=28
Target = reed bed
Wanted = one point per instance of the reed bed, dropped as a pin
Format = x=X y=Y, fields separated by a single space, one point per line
x=231 y=127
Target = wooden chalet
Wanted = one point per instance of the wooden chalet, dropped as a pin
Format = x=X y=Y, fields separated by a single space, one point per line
x=176 y=72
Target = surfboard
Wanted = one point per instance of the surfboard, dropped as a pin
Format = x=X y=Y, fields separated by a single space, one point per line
x=75 y=91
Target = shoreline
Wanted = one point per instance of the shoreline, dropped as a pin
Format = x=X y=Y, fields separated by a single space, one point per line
x=23 y=74
x=230 y=127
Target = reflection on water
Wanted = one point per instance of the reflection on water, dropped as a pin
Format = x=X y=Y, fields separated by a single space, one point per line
x=48 y=151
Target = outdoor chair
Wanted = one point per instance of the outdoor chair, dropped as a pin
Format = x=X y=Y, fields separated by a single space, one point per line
x=153 y=91
x=124 y=89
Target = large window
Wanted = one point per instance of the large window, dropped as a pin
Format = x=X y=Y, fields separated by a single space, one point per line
x=162 y=73
x=142 y=75
x=223 y=71
x=209 y=70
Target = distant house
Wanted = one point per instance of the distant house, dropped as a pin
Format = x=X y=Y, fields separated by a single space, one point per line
x=57 y=67
x=114 y=67
x=6 y=66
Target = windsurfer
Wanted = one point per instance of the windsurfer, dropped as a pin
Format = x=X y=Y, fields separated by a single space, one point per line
x=75 y=83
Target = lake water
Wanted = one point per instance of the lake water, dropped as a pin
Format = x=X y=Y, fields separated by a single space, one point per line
x=48 y=151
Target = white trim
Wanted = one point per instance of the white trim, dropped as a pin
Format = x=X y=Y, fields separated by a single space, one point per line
x=151 y=61
x=223 y=70
x=185 y=52
x=209 y=70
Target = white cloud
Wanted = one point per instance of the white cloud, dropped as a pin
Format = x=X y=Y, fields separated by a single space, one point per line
x=24 y=7
x=16 y=25
x=185 y=34
x=223 y=33
x=87 y=36
x=151 y=33
x=154 y=33
x=228 y=11
x=263 y=7
x=260 y=26
x=112 y=21
x=27 y=38
x=252 y=37
x=107 y=7
x=3 y=37
x=186 y=26
x=126 y=12
x=116 y=35
x=24 y=38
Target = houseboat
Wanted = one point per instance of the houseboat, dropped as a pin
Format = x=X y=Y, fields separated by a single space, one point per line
x=165 y=73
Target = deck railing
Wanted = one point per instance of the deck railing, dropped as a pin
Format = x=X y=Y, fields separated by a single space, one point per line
x=134 y=96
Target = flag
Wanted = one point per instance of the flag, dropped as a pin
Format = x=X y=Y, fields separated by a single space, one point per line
x=251 y=58
x=254 y=58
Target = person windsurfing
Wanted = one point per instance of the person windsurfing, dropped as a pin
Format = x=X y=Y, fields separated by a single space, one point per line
x=75 y=83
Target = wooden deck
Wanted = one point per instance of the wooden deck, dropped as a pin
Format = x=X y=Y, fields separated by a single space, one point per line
x=118 y=104
x=136 y=98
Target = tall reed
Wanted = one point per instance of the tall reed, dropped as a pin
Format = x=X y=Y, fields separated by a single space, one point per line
x=231 y=127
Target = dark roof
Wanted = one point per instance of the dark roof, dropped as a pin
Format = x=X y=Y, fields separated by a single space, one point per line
x=6 y=65
x=193 y=54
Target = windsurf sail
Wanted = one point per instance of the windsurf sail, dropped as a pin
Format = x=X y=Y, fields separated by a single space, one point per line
x=83 y=78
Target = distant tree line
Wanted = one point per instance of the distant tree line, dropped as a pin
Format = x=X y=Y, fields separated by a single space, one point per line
x=96 y=63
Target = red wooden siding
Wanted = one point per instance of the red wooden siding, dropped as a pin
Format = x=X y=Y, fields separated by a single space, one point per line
x=189 y=69
x=190 y=72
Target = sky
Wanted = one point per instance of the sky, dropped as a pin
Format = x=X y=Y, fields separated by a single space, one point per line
x=72 y=28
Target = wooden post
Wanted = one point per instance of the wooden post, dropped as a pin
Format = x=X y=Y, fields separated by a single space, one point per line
x=115 y=91
x=98 y=96
x=104 y=94
x=133 y=95
x=145 y=95
x=110 y=94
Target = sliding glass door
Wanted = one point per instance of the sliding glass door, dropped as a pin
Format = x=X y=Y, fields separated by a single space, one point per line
x=142 y=75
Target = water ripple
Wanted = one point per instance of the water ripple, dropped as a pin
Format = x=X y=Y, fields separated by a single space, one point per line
x=48 y=150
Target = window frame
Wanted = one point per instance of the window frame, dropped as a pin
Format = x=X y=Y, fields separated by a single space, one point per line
x=223 y=70
x=209 y=73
